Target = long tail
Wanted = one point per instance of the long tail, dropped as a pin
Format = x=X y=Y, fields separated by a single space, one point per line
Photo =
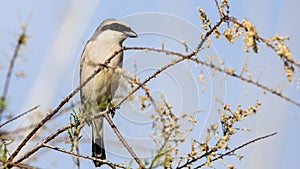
x=97 y=141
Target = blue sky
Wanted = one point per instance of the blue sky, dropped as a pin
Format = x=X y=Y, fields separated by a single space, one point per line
x=58 y=31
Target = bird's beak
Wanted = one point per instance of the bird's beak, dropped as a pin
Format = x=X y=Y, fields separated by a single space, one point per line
x=131 y=34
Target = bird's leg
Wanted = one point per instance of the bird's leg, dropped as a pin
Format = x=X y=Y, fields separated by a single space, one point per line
x=112 y=111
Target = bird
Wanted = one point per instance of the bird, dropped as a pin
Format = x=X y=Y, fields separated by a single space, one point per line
x=97 y=94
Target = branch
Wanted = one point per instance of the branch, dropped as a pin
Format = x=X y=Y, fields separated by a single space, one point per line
x=218 y=7
x=167 y=52
x=222 y=155
x=119 y=135
x=16 y=165
x=14 y=118
x=21 y=42
x=200 y=45
x=259 y=85
x=265 y=41
x=196 y=60
x=239 y=147
x=154 y=74
x=46 y=140
x=111 y=164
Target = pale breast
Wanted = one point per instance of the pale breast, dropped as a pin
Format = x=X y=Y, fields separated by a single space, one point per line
x=103 y=86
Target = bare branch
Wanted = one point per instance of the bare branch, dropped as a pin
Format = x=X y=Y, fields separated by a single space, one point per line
x=257 y=84
x=150 y=77
x=126 y=145
x=16 y=165
x=14 y=118
x=222 y=155
x=167 y=52
x=111 y=164
x=21 y=42
x=218 y=7
x=239 y=147
x=46 y=140
x=215 y=67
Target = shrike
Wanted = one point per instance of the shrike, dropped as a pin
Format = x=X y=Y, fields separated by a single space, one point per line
x=98 y=92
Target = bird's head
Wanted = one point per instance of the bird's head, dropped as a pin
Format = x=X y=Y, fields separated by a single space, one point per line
x=114 y=29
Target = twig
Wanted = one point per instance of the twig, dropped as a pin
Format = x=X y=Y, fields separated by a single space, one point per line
x=203 y=40
x=222 y=155
x=119 y=135
x=149 y=78
x=218 y=7
x=77 y=159
x=167 y=52
x=14 y=118
x=76 y=136
x=200 y=45
x=239 y=147
x=259 y=85
x=21 y=42
x=16 y=165
x=215 y=67
x=265 y=41
x=18 y=130
x=84 y=156
x=46 y=140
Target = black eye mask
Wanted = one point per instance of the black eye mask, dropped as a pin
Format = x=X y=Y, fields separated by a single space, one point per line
x=116 y=27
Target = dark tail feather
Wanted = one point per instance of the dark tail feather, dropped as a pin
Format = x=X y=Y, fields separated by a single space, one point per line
x=98 y=150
